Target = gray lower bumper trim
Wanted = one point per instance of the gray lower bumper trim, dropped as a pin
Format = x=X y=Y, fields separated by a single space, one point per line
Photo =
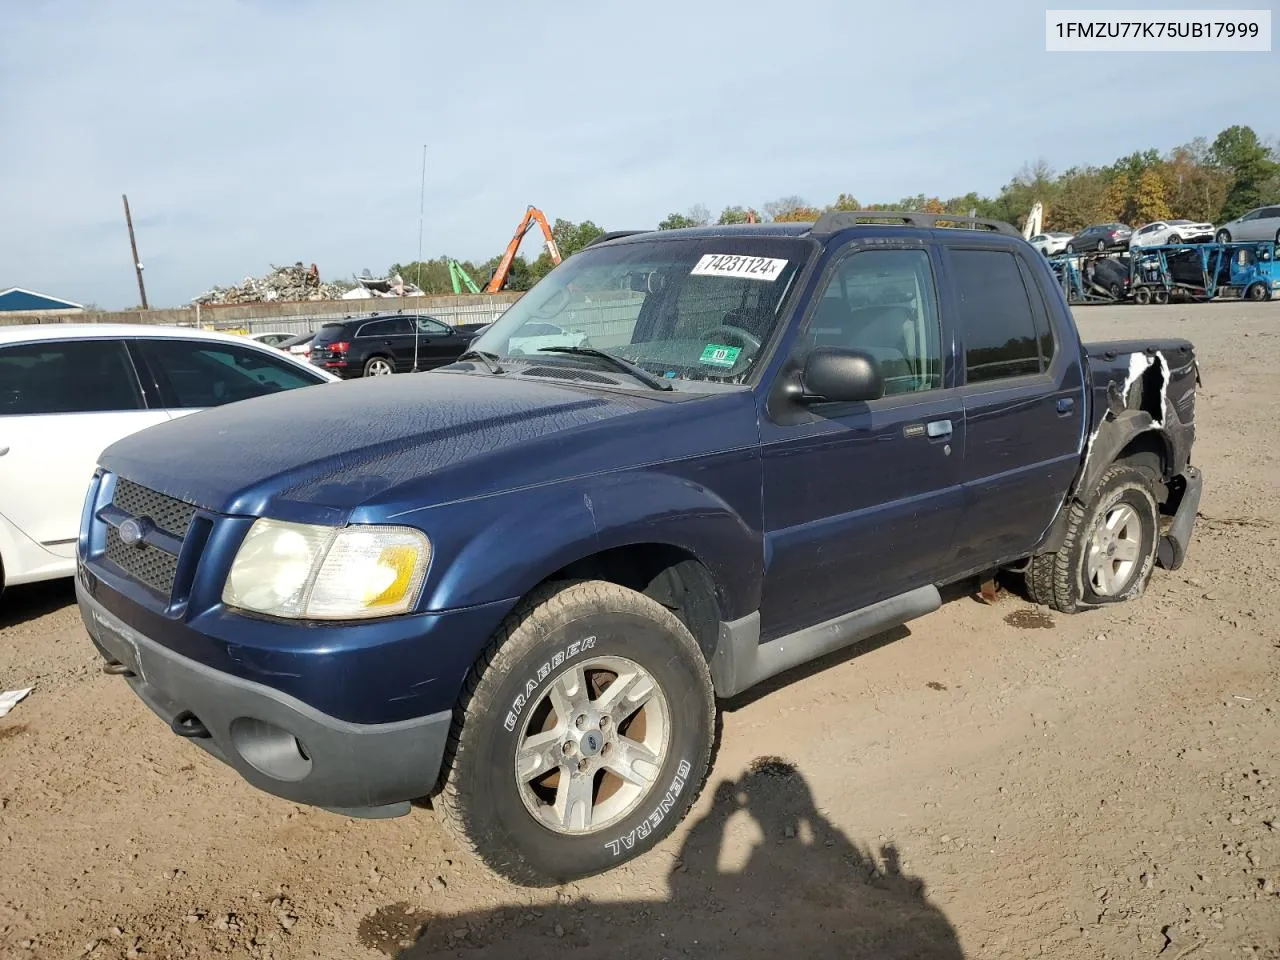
x=1173 y=545
x=347 y=767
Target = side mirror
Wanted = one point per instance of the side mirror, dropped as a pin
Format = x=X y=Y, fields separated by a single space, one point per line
x=840 y=375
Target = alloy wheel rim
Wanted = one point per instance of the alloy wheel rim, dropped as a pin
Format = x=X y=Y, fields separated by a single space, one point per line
x=1114 y=551
x=592 y=745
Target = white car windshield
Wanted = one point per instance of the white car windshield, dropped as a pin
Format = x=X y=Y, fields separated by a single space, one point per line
x=689 y=309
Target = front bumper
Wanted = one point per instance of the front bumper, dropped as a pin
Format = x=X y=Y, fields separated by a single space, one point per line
x=275 y=741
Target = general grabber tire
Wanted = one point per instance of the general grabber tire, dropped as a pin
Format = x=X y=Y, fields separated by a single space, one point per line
x=583 y=681
x=1110 y=548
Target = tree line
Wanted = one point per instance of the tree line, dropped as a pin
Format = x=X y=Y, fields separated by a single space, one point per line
x=1203 y=180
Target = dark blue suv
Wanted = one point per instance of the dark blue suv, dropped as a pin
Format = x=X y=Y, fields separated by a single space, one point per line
x=519 y=583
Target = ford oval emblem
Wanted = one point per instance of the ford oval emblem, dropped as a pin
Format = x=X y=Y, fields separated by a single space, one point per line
x=131 y=533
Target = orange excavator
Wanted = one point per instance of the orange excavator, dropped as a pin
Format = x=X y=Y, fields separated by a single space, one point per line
x=531 y=216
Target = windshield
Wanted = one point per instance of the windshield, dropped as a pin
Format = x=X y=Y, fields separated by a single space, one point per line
x=683 y=309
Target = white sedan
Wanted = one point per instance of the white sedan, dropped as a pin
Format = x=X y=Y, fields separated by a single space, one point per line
x=1167 y=232
x=532 y=337
x=1050 y=244
x=271 y=338
x=68 y=391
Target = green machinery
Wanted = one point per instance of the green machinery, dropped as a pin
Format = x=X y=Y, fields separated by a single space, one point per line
x=460 y=278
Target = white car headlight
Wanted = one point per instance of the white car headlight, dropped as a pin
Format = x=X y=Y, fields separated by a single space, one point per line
x=310 y=572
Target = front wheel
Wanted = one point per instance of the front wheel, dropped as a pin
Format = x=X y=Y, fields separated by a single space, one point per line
x=1223 y=236
x=1102 y=245
x=1109 y=551
x=1257 y=292
x=1175 y=239
x=378 y=367
x=1071 y=248
x=583 y=737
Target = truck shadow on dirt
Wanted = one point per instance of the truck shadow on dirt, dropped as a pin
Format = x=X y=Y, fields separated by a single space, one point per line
x=19 y=605
x=762 y=874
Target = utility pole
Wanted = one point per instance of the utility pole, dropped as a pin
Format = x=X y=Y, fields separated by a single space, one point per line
x=133 y=245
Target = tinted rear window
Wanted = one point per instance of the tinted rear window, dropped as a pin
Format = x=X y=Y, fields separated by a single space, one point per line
x=330 y=333
x=995 y=313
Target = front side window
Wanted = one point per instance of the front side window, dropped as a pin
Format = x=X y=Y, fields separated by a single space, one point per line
x=431 y=326
x=999 y=328
x=68 y=376
x=883 y=303
x=692 y=310
x=195 y=374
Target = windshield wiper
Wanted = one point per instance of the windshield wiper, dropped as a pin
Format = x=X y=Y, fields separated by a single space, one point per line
x=626 y=366
x=490 y=360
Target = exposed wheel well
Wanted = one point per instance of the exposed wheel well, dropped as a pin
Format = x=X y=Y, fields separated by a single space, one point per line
x=671 y=576
x=1148 y=452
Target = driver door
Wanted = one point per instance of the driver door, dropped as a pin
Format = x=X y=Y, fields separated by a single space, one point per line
x=862 y=499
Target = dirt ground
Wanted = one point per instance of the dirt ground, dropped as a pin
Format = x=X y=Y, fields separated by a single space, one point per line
x=991 y=782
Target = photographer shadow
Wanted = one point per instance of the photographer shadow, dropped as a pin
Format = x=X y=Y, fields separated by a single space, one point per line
x=794 y=885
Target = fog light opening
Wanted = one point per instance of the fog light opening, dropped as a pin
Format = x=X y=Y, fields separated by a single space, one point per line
x=269 y=749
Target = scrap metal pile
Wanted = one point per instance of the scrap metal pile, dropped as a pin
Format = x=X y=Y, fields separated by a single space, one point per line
x=282 y=283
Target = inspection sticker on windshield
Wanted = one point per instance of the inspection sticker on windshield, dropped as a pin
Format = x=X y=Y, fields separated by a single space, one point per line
x=731 y=265
x=716 y=355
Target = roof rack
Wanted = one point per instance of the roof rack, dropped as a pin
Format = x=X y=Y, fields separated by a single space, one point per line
x=838 y=220
x=614 y=235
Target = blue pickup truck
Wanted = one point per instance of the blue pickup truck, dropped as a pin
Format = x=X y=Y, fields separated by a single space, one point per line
x=518 y=585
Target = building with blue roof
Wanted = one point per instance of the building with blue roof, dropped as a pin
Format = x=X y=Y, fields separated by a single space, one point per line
x=18 y=300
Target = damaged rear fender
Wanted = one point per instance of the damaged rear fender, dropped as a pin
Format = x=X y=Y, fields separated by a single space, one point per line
x=1141 y=415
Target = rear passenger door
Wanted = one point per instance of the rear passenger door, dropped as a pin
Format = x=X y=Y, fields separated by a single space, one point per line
x=861 y=500
x=1023 y=393
x=189 y=375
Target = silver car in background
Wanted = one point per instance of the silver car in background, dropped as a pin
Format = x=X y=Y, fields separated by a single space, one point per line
x=1261 y=223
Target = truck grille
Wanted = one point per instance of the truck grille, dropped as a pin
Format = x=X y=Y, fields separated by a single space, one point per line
x=170 y=514
x=150 y=565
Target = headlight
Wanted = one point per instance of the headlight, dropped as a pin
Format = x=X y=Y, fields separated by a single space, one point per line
x=326 y=573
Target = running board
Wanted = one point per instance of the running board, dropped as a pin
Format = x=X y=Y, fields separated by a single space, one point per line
x=741 y=660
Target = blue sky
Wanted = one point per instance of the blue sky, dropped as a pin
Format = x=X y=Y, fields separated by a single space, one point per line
x=251 y=133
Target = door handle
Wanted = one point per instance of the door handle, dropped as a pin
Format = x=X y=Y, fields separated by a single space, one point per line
x=938 y=428
x=1066 y=405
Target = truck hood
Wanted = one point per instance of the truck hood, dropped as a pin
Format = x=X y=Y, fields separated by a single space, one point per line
x=318 y=453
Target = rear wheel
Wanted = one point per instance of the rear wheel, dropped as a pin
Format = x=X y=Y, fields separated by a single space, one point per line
x=1223 y=236
x=1174 y=238
x=1102 y=245
x=1161 y=296
x=583 y=737
x=1109 y=551
x=378 y=367
x=1142 y=295
x=1071 y=248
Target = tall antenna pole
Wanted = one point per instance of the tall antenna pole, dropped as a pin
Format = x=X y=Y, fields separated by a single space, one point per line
x=422 y=199
x=133 y=245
